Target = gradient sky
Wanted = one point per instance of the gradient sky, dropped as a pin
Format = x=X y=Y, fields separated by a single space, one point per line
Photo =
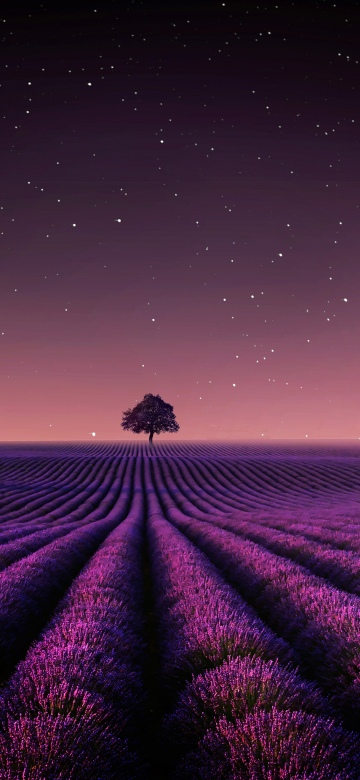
x=180 y=214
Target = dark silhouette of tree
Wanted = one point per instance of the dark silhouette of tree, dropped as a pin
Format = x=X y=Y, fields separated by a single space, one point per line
x=151 y=415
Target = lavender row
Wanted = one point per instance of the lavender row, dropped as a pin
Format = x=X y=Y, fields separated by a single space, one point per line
x=259 y=483
x=21 y=548
x=33 y=540
x=55 y=504
x=230 y=672
x=224 y=450
x=105 y=494
x=186 y=480
x=36 y=478
x=318 y=620
x=34 y=469
x=309 y=476
x=225 y=487
x=30 y=588
x=273 y=744
x=324 y=527
x=74 y=709
x=342 y=568
x=194 y=491
x=190 y=485
x=215 y=480
x=177 y=495
x=196 y=632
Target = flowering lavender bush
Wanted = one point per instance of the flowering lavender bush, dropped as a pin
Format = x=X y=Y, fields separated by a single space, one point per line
x=198 y=633
x=275 y=745
x=341 y=567
x=233 y=690
x=49 y=747
x=319 y=621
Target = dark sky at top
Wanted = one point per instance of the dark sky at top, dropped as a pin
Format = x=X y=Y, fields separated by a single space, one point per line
x=179 y=214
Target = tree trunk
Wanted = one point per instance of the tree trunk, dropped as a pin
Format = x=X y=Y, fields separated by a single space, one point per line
x=151 y=436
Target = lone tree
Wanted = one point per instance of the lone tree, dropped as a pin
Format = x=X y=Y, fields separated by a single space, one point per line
x=151 y=415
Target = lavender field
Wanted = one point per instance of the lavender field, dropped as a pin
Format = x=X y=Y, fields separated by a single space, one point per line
x=181 y=611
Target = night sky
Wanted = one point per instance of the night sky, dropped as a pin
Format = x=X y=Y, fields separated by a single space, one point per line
x=180 y=214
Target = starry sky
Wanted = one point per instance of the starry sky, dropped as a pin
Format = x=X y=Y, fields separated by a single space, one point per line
x=179 y=214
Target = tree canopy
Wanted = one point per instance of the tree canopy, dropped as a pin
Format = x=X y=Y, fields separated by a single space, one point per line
x=151 y=415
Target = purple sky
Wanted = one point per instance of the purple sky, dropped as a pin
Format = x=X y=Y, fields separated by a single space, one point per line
x=180 y=209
